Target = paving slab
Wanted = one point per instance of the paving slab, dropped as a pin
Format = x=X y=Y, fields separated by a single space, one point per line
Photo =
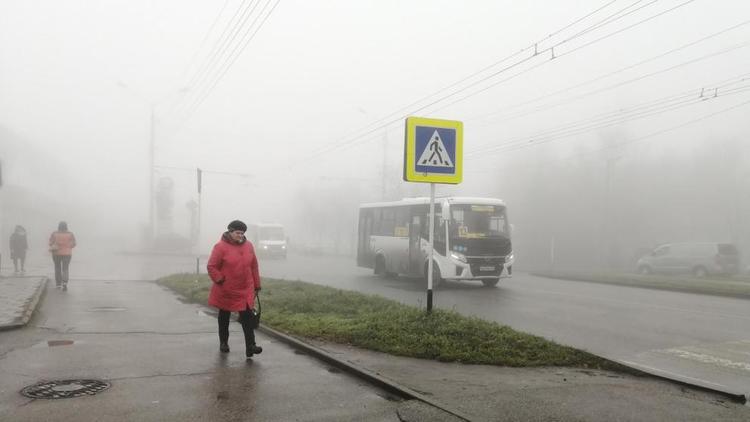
x=19 y=297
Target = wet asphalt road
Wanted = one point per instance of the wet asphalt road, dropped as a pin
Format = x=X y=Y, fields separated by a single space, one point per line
x=701 y=339
x=162 y=359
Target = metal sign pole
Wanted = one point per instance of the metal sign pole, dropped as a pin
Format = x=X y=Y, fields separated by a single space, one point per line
x=433 y=153
x=432 y=247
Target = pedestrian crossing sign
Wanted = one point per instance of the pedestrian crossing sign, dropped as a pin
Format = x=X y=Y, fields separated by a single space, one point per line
x=433 y=151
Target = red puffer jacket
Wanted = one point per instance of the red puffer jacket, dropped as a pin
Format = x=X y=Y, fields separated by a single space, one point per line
x=237 y=265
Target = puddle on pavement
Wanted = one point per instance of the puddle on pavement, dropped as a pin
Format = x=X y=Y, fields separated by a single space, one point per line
x=107 y=309
x=389 y=397
x=54 y=343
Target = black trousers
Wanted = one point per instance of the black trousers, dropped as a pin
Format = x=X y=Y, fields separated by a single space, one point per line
x=62 y=262
x=16 y=259
x=224 y=327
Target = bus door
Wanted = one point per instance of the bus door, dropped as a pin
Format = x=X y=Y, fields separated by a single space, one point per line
x=415 y=247
x=365 y=257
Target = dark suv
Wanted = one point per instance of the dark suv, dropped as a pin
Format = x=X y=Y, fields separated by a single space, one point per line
x=699 y=259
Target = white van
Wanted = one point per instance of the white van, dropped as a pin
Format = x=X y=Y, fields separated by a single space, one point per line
x=699 y=259
x=268 y=239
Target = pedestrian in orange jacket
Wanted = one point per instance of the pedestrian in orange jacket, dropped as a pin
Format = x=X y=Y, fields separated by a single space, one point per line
x=61 y=244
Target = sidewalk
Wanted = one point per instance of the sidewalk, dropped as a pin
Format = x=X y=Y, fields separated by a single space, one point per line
x=19 y=297
x=160 y=361
x=160 y=357
x=493 y=393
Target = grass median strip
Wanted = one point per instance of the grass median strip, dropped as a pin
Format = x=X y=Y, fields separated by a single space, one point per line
x=372 y=322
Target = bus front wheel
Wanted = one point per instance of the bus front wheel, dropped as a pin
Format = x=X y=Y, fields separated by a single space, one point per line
x=379 y=265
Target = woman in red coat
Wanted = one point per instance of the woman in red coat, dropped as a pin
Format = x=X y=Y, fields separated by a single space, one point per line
x=233 y=268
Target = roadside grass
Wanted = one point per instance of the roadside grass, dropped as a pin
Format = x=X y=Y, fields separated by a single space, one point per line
x=372 y=322
x=738 y=287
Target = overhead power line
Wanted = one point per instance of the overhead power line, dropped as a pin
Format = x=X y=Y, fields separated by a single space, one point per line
x=634 y=140
x=215 y=62
x=219 y=46
x=236 y=52
x=609 y=74
x=352 y=140
x=610 y=119
x=205 y=38
x=622 y=83
x=532 y=46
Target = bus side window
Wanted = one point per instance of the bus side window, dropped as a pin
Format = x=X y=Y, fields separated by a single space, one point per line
x=376 y=221
x=388 y=222
x=402 y=222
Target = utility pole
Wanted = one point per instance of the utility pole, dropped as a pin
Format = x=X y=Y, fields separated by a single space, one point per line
x=200 y=192
x=608 y=250
x=385 y=159
x=152 y=141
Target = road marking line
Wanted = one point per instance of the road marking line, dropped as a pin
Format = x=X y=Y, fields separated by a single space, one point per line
x=673 y=375
x=704 y=358
x=633 y=303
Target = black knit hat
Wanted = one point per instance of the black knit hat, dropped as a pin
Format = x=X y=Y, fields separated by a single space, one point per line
x=237 y=225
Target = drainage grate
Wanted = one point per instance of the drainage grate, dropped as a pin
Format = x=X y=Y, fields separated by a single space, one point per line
x=64 y=389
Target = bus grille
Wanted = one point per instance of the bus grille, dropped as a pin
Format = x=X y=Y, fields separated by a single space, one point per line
x=486 y=266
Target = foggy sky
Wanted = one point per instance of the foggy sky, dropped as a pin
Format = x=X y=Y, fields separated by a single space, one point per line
x=78 y=80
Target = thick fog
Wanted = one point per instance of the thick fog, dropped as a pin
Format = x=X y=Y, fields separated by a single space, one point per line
x=608 y=127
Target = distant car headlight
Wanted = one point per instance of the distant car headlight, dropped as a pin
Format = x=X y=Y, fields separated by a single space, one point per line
x=283 y=246
x=265 y=246
x=458 y=256
x=509 y=257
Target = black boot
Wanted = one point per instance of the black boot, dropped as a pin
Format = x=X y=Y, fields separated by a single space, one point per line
x=224 y=347
x=253 y=350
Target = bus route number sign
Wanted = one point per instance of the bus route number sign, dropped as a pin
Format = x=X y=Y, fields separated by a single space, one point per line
x=433 y=151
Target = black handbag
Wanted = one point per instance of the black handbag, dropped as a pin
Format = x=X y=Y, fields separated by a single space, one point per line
x=253 y=316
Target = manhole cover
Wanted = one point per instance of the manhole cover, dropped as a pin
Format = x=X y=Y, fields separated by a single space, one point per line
x=64 y=389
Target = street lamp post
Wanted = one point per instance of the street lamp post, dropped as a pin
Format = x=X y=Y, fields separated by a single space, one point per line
x=152 y=148
x=152 y=145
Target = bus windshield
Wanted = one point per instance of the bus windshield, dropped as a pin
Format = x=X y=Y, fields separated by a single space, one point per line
x=271 y=233
x=472 y=221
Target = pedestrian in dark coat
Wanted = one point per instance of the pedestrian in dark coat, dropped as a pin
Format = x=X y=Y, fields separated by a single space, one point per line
x=61 y=244
x=233 y=268
x=18 y=246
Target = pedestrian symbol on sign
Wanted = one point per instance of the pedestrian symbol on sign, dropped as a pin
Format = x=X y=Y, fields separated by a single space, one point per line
x=435 y=154
x=433 y=150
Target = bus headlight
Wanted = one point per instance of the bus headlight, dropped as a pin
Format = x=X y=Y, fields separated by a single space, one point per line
x=458 y=256
x=509 y=258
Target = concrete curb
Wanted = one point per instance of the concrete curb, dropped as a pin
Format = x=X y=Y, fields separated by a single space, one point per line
x=405 y=392
x=371 y=377
x=735 y=397
x=362 y=373
x=31 y=305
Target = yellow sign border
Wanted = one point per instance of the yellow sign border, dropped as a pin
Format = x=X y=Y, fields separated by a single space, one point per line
x=410 y=159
